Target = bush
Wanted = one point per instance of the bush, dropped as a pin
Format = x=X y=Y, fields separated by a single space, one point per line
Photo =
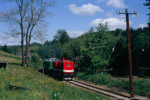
x=35 y=62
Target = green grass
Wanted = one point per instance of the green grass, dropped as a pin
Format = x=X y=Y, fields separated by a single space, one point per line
x=147 y=77
x=11 y=59
x=42 y=87
x=141 y=86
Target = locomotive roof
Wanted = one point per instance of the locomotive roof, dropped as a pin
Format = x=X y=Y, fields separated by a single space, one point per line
x=51 y=59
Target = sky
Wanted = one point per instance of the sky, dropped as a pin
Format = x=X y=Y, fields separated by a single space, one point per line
x=78 y=16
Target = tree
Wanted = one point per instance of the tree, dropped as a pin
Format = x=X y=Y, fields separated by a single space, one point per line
x=71 y=49
x=61 y=36
x=147 y=3
x=47 y=52
x=5 y=48
x=141 y=42
x=97 y=48
x=36 y=60
x=27 y=20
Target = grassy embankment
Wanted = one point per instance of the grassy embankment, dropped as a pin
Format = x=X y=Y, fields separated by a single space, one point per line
x=141 y=86
x=42 y=87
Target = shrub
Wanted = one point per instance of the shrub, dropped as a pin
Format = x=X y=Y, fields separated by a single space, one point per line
x=35 y=62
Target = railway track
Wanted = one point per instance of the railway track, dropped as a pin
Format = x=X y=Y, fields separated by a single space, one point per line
x=109 y=93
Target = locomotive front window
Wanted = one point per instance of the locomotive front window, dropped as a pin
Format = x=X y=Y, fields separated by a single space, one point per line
x=68 y=65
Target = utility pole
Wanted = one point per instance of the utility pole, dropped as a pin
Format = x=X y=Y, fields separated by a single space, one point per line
x=129 y=50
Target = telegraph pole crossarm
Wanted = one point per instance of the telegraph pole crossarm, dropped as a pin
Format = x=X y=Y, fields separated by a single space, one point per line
x=129 y=49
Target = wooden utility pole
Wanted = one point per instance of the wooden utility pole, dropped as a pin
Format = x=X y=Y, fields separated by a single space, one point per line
x=129 y=50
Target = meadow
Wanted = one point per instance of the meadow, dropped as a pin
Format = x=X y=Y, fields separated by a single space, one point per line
x=41 y=87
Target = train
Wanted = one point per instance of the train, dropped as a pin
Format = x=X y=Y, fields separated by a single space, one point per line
x=60 y=68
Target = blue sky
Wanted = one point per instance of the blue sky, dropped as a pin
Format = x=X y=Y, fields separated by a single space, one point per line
x=77 y=16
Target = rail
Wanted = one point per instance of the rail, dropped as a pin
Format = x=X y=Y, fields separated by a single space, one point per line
x=109 y=93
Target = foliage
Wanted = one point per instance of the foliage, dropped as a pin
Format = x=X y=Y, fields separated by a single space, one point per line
x=147 y=3
x=141 y=42
x=35 y=58
x=11 y=49
x=71 y=49
x=61 y=36
x=35 y=62
x=47 y=52
x=35 y=44
x=97 y=48
x=5 y=48
x=36 y=66
x=48 y=43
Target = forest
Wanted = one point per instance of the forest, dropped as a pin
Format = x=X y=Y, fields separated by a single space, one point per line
x=97 y=50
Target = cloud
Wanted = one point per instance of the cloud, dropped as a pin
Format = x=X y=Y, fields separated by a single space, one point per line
x=75 y=34
x=112 y=23
x=1 y=42
x=86 y=9
x=116 y=3
x=8 y=40
x=142 y=26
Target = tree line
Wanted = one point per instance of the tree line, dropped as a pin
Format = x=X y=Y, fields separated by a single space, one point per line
x=97 y=50
x=101 y=50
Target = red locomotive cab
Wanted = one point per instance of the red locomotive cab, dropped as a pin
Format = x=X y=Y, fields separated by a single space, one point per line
x=56 y=64
x=64 y=69
x=68 y=67
x=68 y=70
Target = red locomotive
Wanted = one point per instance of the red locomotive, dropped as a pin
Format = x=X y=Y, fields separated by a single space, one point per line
x=63 y=69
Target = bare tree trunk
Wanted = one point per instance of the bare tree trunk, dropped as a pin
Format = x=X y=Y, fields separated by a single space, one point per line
x=28 y=39
x=27 y=52
x=22 y=49
x=22 y=31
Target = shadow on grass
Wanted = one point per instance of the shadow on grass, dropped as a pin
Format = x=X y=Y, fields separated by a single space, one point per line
x=48 y=73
